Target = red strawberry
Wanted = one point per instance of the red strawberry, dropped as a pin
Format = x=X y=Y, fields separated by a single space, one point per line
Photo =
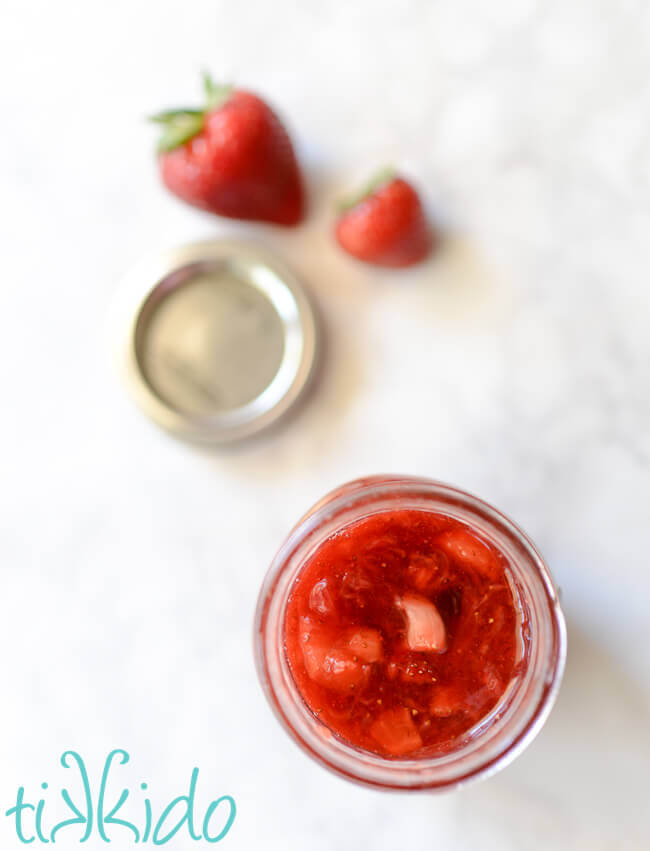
x=385 y=224
x=233 y=158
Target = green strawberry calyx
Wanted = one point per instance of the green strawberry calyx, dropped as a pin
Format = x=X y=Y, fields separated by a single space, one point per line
x=379 y=179
x=181 y=125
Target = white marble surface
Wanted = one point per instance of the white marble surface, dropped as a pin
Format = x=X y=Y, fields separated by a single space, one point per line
x=515 y=365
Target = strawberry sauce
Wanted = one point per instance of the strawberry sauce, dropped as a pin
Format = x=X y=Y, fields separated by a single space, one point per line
x=402 y=632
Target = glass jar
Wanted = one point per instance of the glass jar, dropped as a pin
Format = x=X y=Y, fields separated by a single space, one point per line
x=522 y=709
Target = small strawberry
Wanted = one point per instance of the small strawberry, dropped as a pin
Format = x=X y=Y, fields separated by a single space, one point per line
x=233 y=158
x=385 y=224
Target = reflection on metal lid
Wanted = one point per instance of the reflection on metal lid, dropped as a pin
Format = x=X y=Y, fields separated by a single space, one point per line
x=221 y=341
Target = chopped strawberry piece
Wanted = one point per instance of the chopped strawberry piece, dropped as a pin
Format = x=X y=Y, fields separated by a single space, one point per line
x=388 y=545
x=468 y=550
x=425 y=629
x=396 y=732
x=321 y=599
x=340 y=672
x=446 y=701
x=330 y=663
x=425 y=571
x=357 y=579
x=357 y=587
x=366 y=644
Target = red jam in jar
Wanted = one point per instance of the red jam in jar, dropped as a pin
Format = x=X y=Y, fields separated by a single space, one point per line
x=402 y=632
x=408 y=635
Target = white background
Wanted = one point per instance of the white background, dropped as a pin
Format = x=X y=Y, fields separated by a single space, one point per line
x=516 y=365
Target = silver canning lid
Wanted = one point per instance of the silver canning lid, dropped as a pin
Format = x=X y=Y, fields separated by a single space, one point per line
x=220 y=342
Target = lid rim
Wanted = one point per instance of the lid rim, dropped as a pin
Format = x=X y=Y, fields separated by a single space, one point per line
x=244 y=421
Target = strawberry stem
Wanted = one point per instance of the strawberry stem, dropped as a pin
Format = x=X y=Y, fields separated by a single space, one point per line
x=215 y=95
x=179 y=128
x=379 y=179
x=168 y=115
x=181 y=125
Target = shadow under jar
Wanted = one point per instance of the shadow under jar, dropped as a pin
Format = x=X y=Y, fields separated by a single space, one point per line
x=408 y=635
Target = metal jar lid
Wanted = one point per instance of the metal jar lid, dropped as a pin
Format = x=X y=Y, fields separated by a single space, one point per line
x=220 y=342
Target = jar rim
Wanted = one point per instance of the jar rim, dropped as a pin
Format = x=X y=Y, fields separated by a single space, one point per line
x=485 y=754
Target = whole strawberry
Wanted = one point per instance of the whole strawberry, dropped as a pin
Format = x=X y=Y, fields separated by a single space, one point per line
x=385 y=224
x=233 y=158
